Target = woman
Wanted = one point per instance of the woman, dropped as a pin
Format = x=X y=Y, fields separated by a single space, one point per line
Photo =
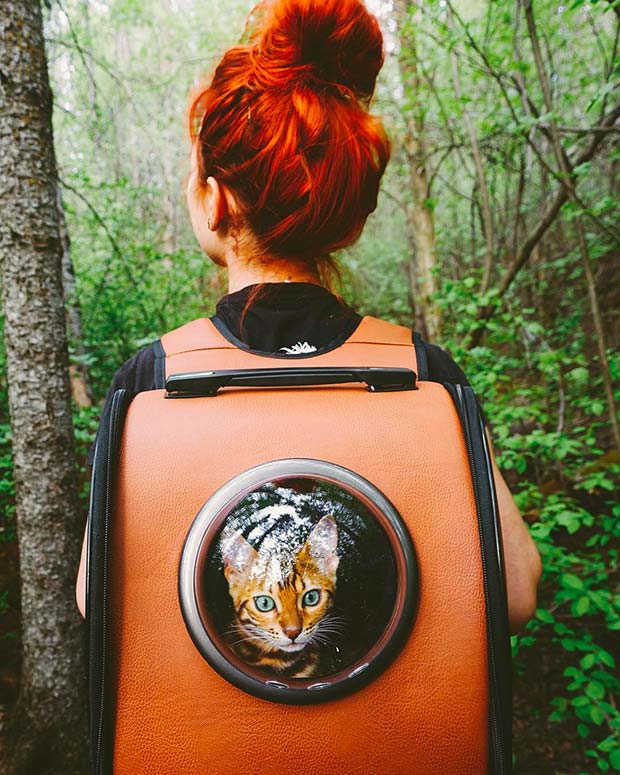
x=285 y=168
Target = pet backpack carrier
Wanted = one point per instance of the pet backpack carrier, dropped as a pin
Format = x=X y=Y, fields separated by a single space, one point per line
x=296 y=567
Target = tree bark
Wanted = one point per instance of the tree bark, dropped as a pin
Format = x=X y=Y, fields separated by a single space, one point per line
x=420 y=219
x=46 y=731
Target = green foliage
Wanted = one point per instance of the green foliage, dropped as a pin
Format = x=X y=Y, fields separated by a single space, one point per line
x=7 y=487
x=121 y=72
x=582 y=615
x=545 y=405
x=548 y=421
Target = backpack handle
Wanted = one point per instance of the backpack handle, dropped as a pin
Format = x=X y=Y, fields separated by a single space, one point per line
x=207 y=383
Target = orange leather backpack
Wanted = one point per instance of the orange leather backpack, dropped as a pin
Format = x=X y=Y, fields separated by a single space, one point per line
x=296 y=568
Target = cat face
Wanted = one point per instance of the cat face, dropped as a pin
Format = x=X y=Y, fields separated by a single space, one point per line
x=282 y=609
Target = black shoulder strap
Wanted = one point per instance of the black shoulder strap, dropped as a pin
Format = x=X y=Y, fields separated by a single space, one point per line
x=160 y=365
x=420 y=355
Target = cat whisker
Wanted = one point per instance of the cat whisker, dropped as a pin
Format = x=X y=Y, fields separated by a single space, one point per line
x=333 y=619
x=265 y=646
x=332 y=630
x=332 y=637
x=248 y=637
x=317 y=639
x=241 y=640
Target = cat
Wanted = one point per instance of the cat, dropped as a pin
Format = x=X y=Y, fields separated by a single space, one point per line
x=282 y=610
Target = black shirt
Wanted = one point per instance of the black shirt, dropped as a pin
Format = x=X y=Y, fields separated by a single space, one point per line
x=285 y=318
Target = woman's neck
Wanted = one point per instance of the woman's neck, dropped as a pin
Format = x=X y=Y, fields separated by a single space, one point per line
x=244 y=273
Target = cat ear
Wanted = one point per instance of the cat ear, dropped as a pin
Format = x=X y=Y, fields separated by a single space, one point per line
x=322 y=544
x=238 y=555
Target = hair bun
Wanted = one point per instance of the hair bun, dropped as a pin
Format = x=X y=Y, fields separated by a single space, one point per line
x=335 y=41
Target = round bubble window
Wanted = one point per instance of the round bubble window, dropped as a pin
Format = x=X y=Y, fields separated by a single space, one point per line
x=298 y=581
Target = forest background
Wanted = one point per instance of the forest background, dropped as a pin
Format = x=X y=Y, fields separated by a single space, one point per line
x=496 y=235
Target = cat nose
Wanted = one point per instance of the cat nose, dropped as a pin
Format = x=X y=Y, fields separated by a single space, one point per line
x=292 y=631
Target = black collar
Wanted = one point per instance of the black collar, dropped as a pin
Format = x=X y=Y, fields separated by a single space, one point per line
x=288 y=319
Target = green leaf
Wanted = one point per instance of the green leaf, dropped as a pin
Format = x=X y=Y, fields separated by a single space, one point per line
x=571 y=581
x=614 y=757
x=607 y=659
x=545 y=616
x=595 y=690
x=588 y=661
x=582 y=606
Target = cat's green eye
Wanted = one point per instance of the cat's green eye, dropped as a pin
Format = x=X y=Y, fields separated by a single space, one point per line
x=311 y=597
x=264 y=603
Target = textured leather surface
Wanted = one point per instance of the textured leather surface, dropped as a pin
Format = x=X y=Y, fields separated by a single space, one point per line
x=192 y=347
x=427 y=714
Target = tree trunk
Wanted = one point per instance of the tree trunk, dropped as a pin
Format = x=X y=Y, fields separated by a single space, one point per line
x=81 y=388
x=169 y=184
x=420 y=220
x=599 y=331
x=485 y=199
x=46 y=732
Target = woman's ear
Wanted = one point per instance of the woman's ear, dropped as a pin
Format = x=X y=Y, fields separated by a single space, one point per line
x=220 y=204
x=216 y=205
x=206 y=210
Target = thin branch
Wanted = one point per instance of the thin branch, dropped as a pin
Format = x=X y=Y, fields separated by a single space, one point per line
x=569 y=186
x=599 y=42
x=486 y=215
x=116 y=250
x=615 y=7
x=393 y=198
x=583 y=130
x=546 y=130
x=520 y=192
x=525 y=251
x=435 y=172
x=89 y=74
x=499 y=79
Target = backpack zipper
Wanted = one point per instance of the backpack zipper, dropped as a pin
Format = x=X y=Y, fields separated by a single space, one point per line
x=115 y=413
x=501 y=760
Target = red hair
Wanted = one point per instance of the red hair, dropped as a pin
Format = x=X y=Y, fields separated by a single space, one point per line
x=284 y=124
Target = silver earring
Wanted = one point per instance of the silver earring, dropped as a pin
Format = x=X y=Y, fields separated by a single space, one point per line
x=210 y=223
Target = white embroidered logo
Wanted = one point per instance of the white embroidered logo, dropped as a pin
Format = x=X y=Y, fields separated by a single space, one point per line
x=299 y=348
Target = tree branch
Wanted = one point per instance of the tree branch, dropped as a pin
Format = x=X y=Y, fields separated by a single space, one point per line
x=486 y=313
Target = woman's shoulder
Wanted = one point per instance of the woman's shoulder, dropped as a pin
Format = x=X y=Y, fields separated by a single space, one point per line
x=437 y=365
x=440 y=365
x=136 y=373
